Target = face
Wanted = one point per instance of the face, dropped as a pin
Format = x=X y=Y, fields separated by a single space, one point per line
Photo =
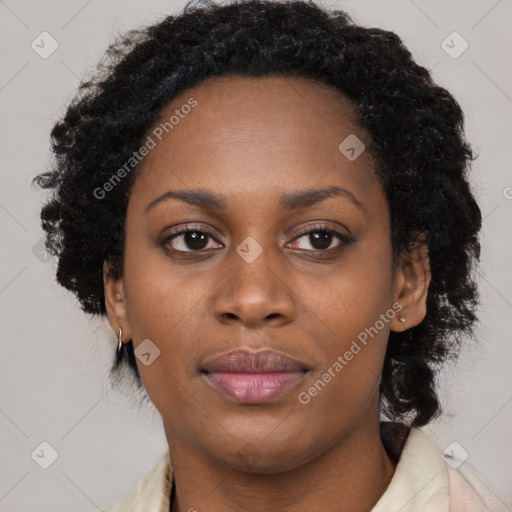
x=265 y=262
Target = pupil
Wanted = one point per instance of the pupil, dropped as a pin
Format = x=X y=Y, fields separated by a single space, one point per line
x=195 y=240
x=321 y=237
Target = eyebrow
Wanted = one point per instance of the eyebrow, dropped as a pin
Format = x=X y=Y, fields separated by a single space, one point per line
x=289 y=201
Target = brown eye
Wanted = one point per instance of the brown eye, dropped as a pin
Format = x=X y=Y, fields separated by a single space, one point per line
x=189 y=240
x=320 y=239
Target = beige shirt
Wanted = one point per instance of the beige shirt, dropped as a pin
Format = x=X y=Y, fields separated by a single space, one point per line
x=422 y=482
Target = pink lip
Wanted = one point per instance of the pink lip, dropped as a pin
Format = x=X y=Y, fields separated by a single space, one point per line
x=254 y=376
x=255 y=387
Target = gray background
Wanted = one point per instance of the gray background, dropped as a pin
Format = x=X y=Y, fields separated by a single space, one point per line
x=55 y=359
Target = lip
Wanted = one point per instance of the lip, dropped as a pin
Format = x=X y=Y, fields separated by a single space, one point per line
x=254 y=376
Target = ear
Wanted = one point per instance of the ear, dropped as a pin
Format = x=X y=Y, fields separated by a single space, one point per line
x=115 y=303
x=412 y=278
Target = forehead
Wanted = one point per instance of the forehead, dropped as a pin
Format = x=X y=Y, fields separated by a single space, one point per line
x=255 y=136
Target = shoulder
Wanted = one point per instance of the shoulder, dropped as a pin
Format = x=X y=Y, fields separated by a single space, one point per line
x=151 y=492
x=425 y=480
x=470 y=493
x=122 y=504
x=468 y=490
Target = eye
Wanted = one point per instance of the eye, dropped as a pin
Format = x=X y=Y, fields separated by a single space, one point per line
x=189 y=240
x=321 y=238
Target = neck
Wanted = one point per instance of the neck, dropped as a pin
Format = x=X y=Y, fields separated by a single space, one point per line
x=351 y=476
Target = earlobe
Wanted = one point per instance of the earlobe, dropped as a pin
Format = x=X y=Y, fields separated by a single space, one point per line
x=115 y=303
x=412 y=280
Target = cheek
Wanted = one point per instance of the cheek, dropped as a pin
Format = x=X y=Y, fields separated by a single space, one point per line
x=339 y=394
x=162 y=308
x=353 y=295
x=355 y=308
x=159 y=294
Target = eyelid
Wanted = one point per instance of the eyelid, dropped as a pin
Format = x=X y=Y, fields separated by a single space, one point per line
x=192 y=227
x=186 y=229
x=321 y=227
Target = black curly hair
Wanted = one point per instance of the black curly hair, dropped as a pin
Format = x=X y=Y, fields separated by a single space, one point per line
x=417 y=138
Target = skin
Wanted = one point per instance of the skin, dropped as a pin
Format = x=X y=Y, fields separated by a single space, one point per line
x=252 y=140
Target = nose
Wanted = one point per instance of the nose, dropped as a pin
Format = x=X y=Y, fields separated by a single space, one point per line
x=255 y=293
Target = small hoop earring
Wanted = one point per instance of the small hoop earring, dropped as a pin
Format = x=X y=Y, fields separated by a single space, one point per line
x=120 y=339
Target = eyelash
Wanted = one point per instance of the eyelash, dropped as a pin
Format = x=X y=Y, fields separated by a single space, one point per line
x=343 y=239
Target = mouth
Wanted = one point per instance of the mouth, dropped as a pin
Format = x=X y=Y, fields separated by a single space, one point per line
x=254 y=377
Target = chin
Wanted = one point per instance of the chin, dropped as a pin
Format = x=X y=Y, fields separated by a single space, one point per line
x=266 y=456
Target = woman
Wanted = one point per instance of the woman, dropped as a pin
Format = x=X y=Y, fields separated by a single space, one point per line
x=270 y=203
